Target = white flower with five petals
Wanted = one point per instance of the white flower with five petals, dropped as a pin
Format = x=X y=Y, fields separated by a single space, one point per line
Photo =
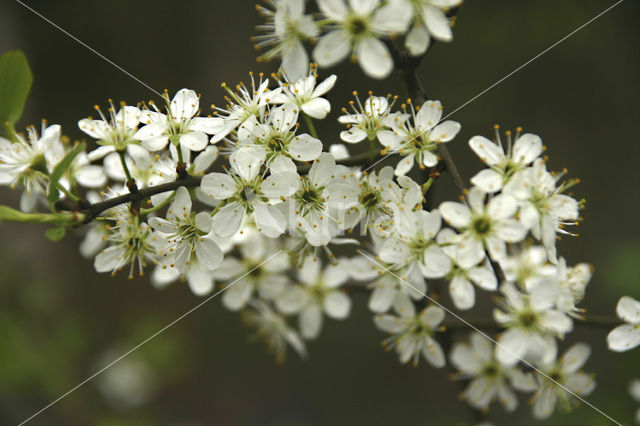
x=483 y=226
x=318 y=293
x=188 y=234
x=180 y=125
x=413 y=335
x=358 y=29
x=566 y=372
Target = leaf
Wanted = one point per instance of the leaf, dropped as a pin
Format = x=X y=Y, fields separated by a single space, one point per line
x=15 y=83
x=58 y=171
x=55 y=234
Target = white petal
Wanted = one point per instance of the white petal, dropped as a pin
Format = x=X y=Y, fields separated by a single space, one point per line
x=624 y=337
x=295 y=61
x=462 y=293
x=405 y=165
x=200 y=280
x=317 y=108
x=228 y=219
x=437 y=22
x=208 y=253
x=628 y=309
x=332 y=48
x=91 y=176
x=305 y=148
x=195 y=141
x=489 y=152
x=512 y=346
x=353 y=135
x=374 y=58
x=208 y=125
x=527 y=148
x=184 y=104
x=488 y=180
x=575 y=357
x=432 y=351
x=311 y=321
x=417 y=40
x=445 y=131
x=270 y=221
x=337 y=305
x=246 y=162
x=456 y=214
x=218 y=185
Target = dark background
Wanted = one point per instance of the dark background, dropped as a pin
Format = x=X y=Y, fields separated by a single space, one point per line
x=60 y=321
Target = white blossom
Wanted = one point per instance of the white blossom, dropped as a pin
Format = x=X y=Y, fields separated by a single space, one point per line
x=285 y=29
x=531 y=321
x=261 y=268
x=243 y=104
x=318 y=208
x=132 y=243
x=306 y=94
x=116 y=131
x=544 y=209
x=461 y=278
x=28 y=161
x=180 y=125
x=278 y=139
x=246 y=194
x=357 y=29
x=565 y=372
x=369 y=119
x=188 y=234
x=417 y=138
x=502 y=166
x=483 y=226
x=430 y=21
x=318 y=293
x=490 y=380
x=274 y=330
x=413 y=334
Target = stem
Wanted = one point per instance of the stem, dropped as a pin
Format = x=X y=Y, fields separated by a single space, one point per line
x=427 y=185
x=64 y=218
x=180 y=159
x=372 y=150
x=70 y=195
x=125 y=167
x=310 y=126
x=166 y=201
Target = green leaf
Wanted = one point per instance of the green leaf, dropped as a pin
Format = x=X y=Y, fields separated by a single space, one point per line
x=55 y=234
x=58 y=171
x=15 y=83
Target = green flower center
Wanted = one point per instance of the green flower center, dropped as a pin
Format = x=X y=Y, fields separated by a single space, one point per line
x=357 y=26
x=481 y=226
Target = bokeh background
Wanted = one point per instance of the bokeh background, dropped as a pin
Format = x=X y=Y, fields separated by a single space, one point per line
x=60 y=321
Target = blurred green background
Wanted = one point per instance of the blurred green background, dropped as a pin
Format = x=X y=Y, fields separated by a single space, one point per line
x=60 y=321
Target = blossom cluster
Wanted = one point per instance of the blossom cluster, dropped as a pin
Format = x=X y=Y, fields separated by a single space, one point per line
x=359 y=29
x=267 y=224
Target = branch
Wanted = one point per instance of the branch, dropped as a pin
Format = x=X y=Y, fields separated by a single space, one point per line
x=94 y=210
x=408 y=66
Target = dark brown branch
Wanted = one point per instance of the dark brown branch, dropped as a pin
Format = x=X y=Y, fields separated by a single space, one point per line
x=94 y=210
x=407 y=65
